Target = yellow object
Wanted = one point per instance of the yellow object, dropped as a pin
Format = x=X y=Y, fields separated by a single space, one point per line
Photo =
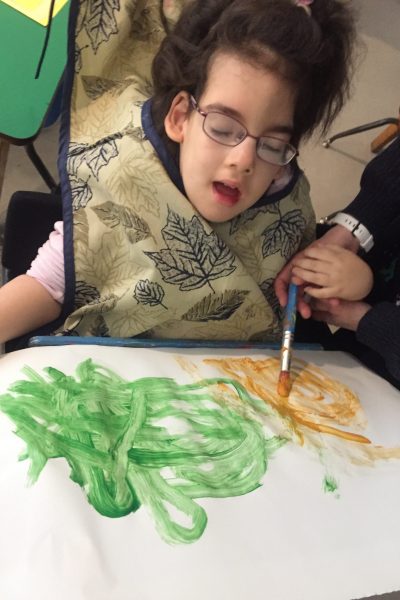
x=38 y=10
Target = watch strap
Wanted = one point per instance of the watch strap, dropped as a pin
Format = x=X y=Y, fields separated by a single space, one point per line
x=353 y=225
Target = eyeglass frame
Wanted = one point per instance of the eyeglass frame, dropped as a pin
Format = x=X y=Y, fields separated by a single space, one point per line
x=204 y=114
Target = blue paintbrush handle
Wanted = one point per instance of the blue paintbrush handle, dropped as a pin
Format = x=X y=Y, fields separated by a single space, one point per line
x=289 y=324
x=291 y=308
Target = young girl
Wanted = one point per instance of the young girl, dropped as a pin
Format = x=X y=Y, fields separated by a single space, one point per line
x=179 y=210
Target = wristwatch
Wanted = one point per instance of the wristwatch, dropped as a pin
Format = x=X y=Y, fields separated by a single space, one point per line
x=357 y=229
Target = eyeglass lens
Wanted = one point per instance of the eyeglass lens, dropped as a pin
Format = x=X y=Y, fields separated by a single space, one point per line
x=229 y=132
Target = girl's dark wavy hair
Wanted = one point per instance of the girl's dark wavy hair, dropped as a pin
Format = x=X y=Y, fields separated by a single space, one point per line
x=313 y=53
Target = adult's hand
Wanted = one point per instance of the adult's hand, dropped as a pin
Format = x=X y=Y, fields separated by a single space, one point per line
x=340 y=236
x=342 y=313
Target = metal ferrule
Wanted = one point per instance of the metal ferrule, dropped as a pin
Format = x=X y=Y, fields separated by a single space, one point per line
x=286 y=350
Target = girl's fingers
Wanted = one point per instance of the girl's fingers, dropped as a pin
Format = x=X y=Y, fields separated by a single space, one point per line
x=320 y=292
x=321 y=279
x=309 y=264
x=297 y=280
x=323 y=252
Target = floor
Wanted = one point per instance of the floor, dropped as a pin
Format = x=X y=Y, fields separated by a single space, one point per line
x=334 y=173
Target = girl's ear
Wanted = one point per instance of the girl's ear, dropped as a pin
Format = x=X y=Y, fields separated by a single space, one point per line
x=176 y=117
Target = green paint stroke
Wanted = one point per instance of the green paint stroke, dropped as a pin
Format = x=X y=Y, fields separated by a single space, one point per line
x=122 y=450
x=330 y=484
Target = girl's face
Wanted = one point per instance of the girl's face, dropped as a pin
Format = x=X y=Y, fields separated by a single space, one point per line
x=223 y=181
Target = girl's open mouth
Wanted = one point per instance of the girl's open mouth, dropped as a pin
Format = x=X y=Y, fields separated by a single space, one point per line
x=226 y=194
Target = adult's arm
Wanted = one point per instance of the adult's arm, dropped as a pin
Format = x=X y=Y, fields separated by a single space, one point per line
x=376 y=205
x=378 y=202
x=379 y=329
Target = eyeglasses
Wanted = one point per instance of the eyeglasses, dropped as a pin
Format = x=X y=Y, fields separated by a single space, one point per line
x=230 y=132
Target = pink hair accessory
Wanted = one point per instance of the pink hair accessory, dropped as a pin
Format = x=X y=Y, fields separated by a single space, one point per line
x=305 y=4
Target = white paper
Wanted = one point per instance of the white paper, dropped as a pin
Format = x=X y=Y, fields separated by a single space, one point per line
x=287 y=540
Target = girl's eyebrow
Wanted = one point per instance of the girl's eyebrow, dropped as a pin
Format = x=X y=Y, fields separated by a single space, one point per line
x=231 y=112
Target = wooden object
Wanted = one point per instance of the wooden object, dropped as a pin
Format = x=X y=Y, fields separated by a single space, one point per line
x=384 y=138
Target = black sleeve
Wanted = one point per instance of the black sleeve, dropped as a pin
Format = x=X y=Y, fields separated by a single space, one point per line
x=378 y=201
x=379 y=329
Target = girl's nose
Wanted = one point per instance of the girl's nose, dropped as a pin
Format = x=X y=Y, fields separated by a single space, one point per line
x=244 y=155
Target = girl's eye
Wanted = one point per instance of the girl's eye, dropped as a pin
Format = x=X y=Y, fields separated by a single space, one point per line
x=223 y=129
x=221 y=133
x=271 y=146
x=239 y=136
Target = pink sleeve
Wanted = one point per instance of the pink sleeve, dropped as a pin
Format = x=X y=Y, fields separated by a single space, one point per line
x=48 y=266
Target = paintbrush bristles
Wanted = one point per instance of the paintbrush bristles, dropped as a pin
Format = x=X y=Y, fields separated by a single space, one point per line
x=284 y=384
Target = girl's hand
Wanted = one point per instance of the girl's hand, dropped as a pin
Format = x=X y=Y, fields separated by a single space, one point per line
x=339 y=236
x=334 y=272
x=281 y=285
x=341 y=313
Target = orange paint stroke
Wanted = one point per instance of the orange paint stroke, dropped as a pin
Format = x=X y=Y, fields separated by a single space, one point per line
x=316 y=401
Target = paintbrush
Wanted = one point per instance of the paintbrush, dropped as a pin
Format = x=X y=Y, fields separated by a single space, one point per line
x=284 y=382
